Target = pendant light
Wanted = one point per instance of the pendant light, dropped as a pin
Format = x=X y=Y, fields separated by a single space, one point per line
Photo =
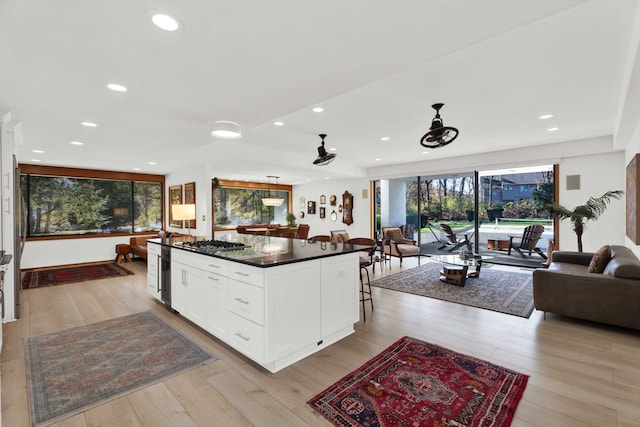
x=272 y=201
x=324 y=158
x=439 y=135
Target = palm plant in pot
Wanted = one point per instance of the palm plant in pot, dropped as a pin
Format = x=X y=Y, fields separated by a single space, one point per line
x=594 y=207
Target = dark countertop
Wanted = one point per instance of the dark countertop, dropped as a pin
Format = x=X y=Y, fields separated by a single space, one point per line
x=265 y=251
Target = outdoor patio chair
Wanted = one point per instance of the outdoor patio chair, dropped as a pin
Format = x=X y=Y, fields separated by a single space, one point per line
x=453 y=242
x=528 y=241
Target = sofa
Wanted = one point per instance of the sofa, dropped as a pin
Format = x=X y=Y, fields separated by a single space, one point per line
x=567 y=287
x=138 y=244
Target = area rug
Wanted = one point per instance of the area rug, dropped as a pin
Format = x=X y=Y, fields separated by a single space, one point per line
x=414 y=383
x=72 y=370
x=63 y=275
x=504 y=291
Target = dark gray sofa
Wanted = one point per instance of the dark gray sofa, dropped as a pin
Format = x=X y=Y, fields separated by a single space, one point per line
x=567 y=288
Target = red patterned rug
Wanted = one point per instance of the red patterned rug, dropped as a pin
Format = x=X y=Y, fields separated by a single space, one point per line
x=62 y=275
x=414 y=383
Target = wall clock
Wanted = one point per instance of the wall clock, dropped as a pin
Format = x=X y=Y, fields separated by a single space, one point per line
x=347 y=208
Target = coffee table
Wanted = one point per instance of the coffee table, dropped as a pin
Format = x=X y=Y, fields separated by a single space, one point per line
x=458 y=275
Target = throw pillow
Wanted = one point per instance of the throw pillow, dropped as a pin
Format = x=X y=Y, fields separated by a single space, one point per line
x=600 y=260
x=395 y=234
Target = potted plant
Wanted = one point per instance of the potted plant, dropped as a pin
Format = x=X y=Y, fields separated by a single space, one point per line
x=594 y=207
x=291 y=220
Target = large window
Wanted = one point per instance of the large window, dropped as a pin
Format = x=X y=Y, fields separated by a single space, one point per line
x=240 y=203
x=73 y=206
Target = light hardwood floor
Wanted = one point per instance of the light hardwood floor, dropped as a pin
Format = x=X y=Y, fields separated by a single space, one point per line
x=582 y=374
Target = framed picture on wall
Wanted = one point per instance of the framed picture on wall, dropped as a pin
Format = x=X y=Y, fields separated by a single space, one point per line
x=175 y=198
x=311 y=208
x=322 y=212
x=323 y=199
x=190 y=198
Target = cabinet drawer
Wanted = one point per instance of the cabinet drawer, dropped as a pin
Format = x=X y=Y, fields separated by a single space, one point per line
x=247 y=274
x=153 y=249
x=201 y=262
x=247 y=301
x=247 y=337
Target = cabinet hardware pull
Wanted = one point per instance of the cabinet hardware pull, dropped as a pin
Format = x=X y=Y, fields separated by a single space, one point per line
x=242 y=274
x=214 y=278
x=213 y=265
x=242 y=337
x=242 y=301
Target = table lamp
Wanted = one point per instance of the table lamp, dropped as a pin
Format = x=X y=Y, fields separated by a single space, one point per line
x=184 y=212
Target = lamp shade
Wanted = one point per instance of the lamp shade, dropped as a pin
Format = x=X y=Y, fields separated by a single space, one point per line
x=272 y=201
x=185 y=212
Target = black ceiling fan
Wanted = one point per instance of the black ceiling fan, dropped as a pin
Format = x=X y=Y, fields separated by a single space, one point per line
x=324 y=158
x=439 y=135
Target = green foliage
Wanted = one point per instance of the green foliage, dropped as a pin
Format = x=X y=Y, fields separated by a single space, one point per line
x=291 y=219
x=59 y=205
x=591 y=210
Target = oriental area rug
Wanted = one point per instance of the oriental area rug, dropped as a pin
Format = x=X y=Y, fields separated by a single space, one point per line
x=509 y=292
x=63 y=275
x=414 y=383
x=73 y=370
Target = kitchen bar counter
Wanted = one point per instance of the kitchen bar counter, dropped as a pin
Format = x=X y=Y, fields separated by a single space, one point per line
x=265 y=251
x=276 y=300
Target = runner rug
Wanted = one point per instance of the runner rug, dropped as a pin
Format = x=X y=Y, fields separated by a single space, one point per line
x=504 y=291
x=414 y=383
x=72 y=370
x=63 y=275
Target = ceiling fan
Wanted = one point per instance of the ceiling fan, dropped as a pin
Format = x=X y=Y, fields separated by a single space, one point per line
x=439 y=135
x=324 y=158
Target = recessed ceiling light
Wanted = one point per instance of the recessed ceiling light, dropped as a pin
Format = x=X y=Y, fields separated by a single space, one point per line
x=38 y=151
x=553 y=129
x=327 y=177
x=378 y=159
x=36 y=160
x=545 y=116
x=136 y=169
x=165 y=22
x=116 y=87
x=89 y=124
x=151 y=163
x=425 y=152
x=332 y=149
x=278 y=123
x=76 y=143
x=318 y=109
x=384 y=138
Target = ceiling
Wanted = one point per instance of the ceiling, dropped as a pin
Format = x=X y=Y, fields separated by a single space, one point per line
x=374 y=66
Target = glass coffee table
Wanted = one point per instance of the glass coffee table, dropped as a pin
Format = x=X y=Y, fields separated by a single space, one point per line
x=458 y=273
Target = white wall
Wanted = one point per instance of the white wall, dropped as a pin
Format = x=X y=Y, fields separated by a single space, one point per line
x=361 y=226
x=200 y=175
x=598 y=174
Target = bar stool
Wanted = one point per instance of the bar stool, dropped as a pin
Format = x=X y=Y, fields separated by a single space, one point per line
x=366 y=260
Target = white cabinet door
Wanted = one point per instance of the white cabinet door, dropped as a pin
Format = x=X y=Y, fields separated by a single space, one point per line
x=179 y=290
x=154 y=273
x=340 y=287
x=294 y=308
x=197 y=290
x=218 y=305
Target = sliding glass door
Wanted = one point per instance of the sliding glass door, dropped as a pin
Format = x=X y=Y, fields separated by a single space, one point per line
x=488 y=207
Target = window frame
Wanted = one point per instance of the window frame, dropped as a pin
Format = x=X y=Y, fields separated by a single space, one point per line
x=66 y=172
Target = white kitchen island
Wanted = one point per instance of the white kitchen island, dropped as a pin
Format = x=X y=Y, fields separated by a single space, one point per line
x=276 y=301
